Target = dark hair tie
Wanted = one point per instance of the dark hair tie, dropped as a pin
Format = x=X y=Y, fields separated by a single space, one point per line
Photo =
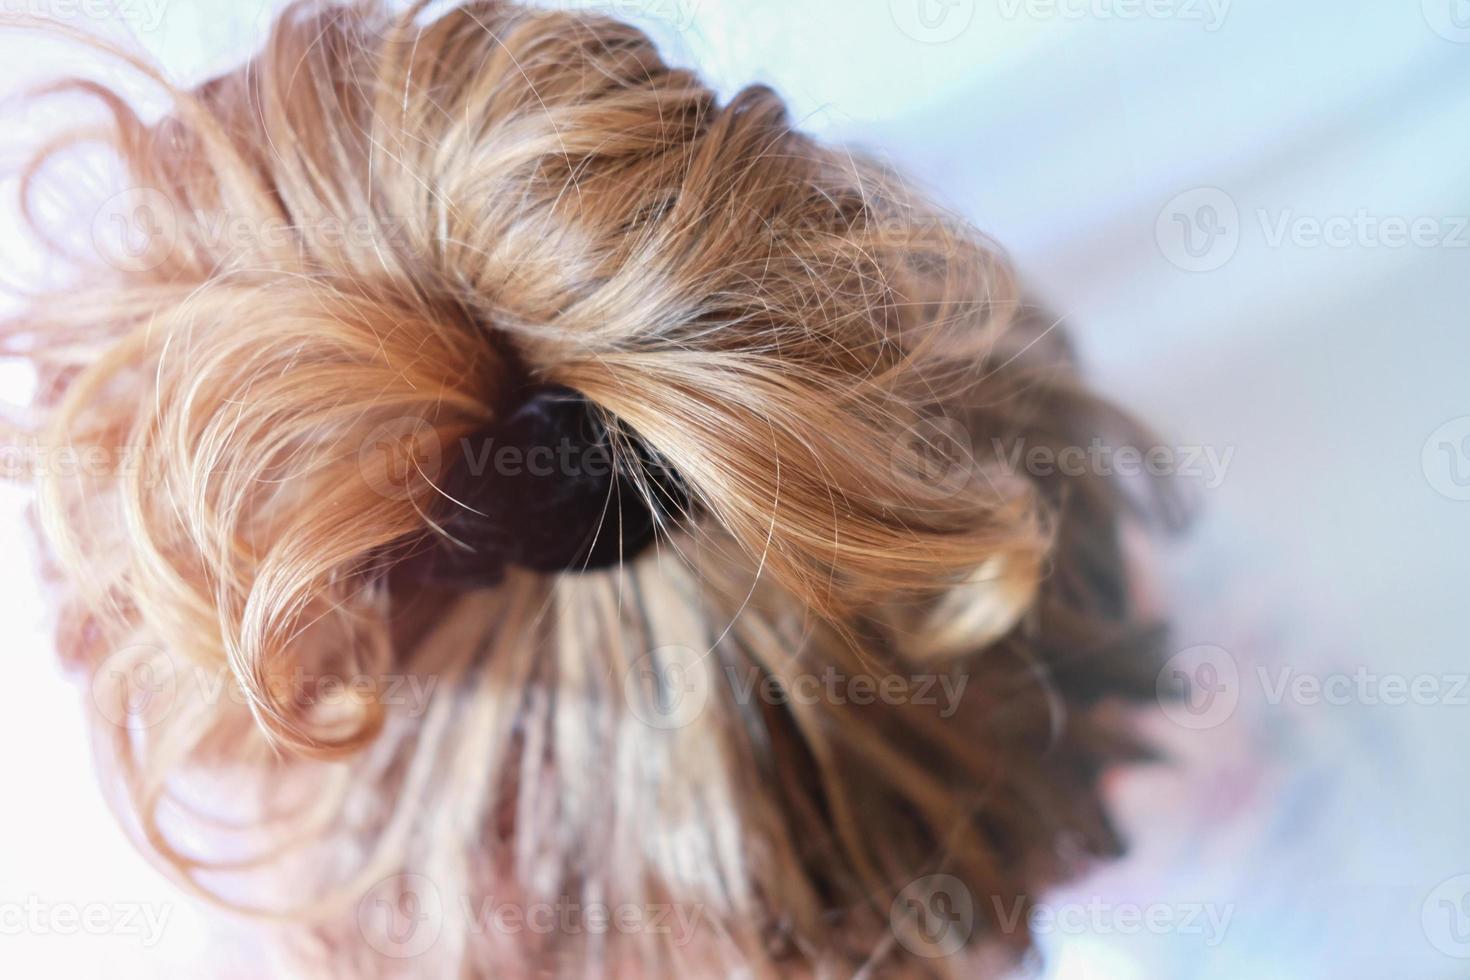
x=541 y=488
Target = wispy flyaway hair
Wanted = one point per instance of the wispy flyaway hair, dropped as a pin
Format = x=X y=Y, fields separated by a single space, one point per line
x=855 y=694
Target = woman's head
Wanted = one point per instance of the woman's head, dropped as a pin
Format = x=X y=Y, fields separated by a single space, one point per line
x=864 y=669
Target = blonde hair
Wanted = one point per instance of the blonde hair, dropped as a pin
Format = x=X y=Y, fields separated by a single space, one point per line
x=515 y=196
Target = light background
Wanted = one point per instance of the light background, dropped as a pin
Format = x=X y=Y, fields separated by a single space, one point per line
x=1334 y=543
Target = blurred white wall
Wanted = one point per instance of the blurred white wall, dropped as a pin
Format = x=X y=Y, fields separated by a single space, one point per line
x=1254 y=212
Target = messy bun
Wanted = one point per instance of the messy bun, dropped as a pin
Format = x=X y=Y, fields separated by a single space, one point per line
x=365 y=244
